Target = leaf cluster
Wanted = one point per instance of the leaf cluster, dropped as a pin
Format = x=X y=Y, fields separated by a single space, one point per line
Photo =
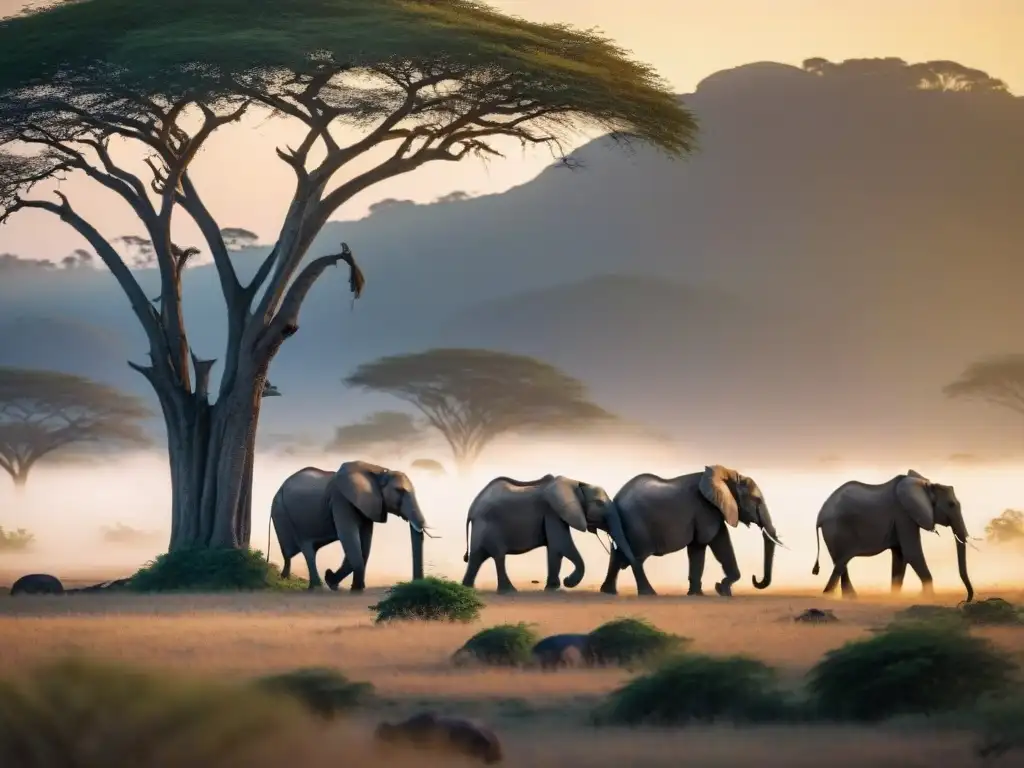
x=211 y=570
x=429 y=599
x=505 y=645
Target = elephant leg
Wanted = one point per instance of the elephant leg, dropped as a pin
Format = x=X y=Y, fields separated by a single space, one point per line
x=899 y=569
x=610 y=584
x=504 y=583
x=309 y=552
x=560 y=544
x=838 y=568
x=365 y=543
x=721 y=548
x=334 y=578
x=695 y=554
x=846 y=585
x=351 y=544
x=643 y=585
x=477 y=558
x=913 y=554
x=286 y=571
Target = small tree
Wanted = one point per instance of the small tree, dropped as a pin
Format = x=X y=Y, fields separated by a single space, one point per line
x=383 y=430
x=997 y=380
x=1007 y=528
x=86 y=84
x=43 y=411
x=472 y=396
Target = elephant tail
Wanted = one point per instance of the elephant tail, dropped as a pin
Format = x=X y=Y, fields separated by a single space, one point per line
x=465 y=557
x=817 y=556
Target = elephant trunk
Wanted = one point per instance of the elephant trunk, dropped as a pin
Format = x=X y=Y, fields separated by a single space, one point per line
x=769 y=559
x=411 y=512
x=615 y=530
x=960 y=532
x=417 y=552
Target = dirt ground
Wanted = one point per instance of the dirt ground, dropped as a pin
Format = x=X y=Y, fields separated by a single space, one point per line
x=539 y=716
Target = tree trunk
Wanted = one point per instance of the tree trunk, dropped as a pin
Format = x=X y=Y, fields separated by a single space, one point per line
x=20 y=478
x=210 y=448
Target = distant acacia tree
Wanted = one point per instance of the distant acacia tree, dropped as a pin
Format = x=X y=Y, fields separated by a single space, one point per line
x=1007 y=528
x=938 y=75
x=389 y=430
x=997 y=380
x=105 y=89
x=472 y=396
x=44 y=411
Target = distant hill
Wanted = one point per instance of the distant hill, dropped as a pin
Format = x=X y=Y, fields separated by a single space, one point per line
x=838 y=249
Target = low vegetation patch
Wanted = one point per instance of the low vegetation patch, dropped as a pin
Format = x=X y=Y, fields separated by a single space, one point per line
x=506 y=645
x=908 y=669
x=630 y=641
x=999 y=725
x=211 y=570
x=994 y=610
x=696 y=688
x=324 y=692
x=80 y=713
x=429 y=599
x=18 y=540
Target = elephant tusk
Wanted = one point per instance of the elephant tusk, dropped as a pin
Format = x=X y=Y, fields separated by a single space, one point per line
x=429 y=535
x=415 y=527
x=772 y=539
x=603 y=545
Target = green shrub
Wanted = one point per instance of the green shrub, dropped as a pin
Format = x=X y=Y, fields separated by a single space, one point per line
x=693 y=687
x=631 y=641
x=506 y=645
x=211 y=570
x=429 y=599
x=18 y=540
x=935 y=615
x=999 y=725
x=324 y=692
x=908 y=669
x=994 y=610
x=80 y=713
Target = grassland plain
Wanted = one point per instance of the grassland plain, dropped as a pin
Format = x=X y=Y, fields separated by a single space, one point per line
x=541 y=717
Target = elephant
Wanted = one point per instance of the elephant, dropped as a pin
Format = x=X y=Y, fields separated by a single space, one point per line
x=861 y=520
x=449 y=734
x=37 y=584
x=315 y=507
x=695 y=511
x=511 y=517
x=566 y=650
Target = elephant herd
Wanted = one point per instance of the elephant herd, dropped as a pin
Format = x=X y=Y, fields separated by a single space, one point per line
x=649 y=516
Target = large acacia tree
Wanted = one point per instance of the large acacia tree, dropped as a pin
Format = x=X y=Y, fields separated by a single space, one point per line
x=997 y=380
x=426 y=80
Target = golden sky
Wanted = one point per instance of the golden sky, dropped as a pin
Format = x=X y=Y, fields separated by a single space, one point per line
x=686 y=40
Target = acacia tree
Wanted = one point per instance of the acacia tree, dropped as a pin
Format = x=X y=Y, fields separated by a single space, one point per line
x=997 y=380
x=1007 y=528
x=382 y=429
x=421 y=80
x=44 y=411
x=472 y=396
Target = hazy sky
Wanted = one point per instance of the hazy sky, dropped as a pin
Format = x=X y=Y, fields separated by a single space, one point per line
x=686 y=40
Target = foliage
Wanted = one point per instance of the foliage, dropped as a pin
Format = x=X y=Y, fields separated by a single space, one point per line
x=927 y=75
x=18 y=540
x=382 y=429
x=211 y=570
x=506 y=645
x=695 y=687
x=324 y=692
x=998 y=380
x=429 y=599
x=1008 y=527
x=915 y=668
x=472 y=396
x=76 y=712
x=42 y=411
x=999 y=725
x=993 y=610
x=628 y=641
x=119 y=533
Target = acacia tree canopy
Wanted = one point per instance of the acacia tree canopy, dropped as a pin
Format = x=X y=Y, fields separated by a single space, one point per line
x=997 y=380
x=391 y=429
x=427 y=80
x=43 y=411
x=472 y=396
x=1007 y=528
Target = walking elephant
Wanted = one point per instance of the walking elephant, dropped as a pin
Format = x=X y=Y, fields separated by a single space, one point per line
x=511 y=517
x=862 y=520
x=315 y=507
x=695 y=511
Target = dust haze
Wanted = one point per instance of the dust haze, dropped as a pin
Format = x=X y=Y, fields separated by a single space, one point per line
x=69 y=505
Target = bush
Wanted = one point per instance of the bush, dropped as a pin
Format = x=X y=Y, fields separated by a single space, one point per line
x=631 y=641
x=694 y=687
x=908 y=669
x=506 y=645
x=999 y=725
x=324 y=692
x=80 y=713
x=211 y=570
x=18 y=540
x=994 y=610
x=429 y=599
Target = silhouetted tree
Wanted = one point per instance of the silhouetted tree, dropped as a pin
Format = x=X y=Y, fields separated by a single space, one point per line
x=472 y=396
x=423 y=81
x=383 y=429
x=12 y=262
x=43 y=411
x=997 y=380
x=937 y=75
x=429 y=465
x=1006 y=528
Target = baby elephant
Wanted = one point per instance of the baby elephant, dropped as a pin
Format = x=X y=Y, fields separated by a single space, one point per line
x=37 y=584
x=568 y=650
x=450 y=734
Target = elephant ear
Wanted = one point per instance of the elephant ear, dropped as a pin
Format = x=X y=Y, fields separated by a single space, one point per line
x=563 y=496
x=362 y=491
x=714 y=488
x=912 y=493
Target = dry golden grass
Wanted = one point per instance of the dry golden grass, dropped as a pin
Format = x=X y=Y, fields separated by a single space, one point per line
x=538 y=715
